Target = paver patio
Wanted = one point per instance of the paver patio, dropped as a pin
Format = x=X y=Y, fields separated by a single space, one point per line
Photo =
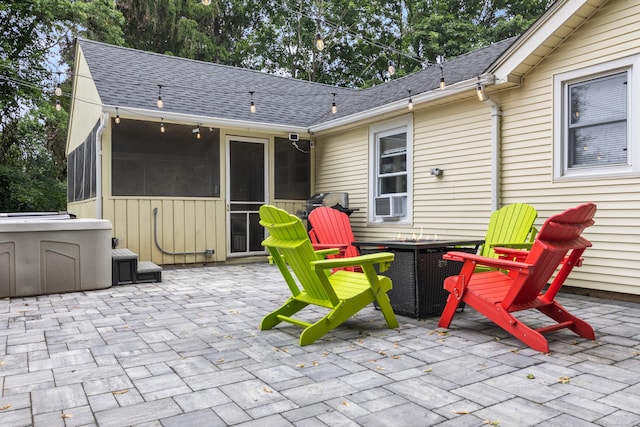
x=188 y=352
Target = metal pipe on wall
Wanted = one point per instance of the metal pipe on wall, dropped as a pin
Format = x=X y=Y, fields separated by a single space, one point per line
x=207 y=252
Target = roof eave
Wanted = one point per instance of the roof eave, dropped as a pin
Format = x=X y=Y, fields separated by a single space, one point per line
x=541 y=38
x=180 y=118
x=401 y=105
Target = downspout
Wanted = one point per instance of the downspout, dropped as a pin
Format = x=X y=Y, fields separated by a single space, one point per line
x=496 y=121
x=103 y=124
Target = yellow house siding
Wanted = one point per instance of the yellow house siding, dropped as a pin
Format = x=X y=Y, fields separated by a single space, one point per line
x=454 y=137
x=86 y=111
x=527 y=152
x=84 y=209
x=342 y=165
x=457 y=139
x=182 y=226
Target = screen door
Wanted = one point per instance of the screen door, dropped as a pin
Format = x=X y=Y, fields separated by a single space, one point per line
x=246 y=192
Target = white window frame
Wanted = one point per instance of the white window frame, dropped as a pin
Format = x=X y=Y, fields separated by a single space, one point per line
x=399 y=125
x=561 y=82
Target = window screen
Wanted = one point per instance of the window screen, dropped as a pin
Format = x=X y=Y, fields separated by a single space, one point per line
x=392 y=163
x=147 y=162
x=81 y=169
x=292 y=169
x=598 y=122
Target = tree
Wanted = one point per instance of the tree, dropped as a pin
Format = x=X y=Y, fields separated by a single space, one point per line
x=453 y=27
x=189 y=29
x=35 y=46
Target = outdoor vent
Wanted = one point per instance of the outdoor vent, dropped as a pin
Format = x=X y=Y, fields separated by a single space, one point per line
x=389 y=206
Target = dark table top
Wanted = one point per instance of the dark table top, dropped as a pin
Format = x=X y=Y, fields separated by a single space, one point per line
x=411 y=244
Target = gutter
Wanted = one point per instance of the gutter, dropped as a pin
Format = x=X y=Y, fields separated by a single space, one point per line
x=104 y=119
x=401 y=104
x=206 y=120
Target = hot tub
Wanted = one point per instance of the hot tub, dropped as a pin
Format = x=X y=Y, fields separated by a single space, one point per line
x=46 y=253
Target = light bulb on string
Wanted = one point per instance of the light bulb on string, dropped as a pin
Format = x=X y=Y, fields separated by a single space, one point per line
x=482 y=95
x=206 y=2
x=196 y=130
x=391 y=68
x=159 y=103
x=161 y=125
x=58 y=106
x=319 y=42
x=410 y=104
x=58 y=89
x=334 y=107
x=252 y=105
x=440 y=60
x=117 y=119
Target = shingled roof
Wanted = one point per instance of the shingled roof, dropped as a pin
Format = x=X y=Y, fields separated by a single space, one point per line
x=129 y=78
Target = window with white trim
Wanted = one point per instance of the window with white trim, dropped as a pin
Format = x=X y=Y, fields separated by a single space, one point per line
x=593 y=130
x=391 y=146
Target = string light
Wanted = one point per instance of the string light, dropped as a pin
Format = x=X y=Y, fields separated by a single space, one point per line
x=197 y=132
x=334 y=107
x=252 y=105
x=391 y=68
x=440 y=60
x=161 y=125
x=319 y=42
x=482 y=95
x=410 y=104
x=206 y=2
x=58 y=90
x=58 y=106
x=160 y=104
x=117 y=119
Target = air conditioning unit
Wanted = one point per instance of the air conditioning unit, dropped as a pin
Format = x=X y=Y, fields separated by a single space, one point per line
x=389 y=206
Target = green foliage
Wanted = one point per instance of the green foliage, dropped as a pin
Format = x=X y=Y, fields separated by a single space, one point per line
x=30 y=179
x=189 y=29
x=36 y=34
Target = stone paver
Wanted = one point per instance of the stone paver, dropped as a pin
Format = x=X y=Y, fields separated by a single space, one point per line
x=188 y=352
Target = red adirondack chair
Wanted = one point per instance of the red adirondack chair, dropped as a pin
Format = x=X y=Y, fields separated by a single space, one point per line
x=522 y=275
x=331 y=228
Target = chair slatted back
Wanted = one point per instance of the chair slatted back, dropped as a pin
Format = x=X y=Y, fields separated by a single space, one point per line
x=288 y=243
x=559 y=235
x=332 y=226
x=509 y=224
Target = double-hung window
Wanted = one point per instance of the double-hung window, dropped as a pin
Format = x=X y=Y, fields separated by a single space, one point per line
x=391 y=146
x=594 y=132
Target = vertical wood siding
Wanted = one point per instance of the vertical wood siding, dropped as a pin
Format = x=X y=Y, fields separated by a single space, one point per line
x=182 y=226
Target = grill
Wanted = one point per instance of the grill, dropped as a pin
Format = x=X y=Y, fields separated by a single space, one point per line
x=334 y=200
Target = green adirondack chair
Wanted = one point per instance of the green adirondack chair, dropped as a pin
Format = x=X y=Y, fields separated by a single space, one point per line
x=312 y=282
x=510 y=226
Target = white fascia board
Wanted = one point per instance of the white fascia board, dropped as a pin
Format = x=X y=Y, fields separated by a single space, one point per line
x=401 y=105
x=559 y=13
x=205 y=121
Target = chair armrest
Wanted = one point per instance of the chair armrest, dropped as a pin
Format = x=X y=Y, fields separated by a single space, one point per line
x=501 y=264
x=511 y=253
x=525 y=245
x=330 y=249
x=382 y=258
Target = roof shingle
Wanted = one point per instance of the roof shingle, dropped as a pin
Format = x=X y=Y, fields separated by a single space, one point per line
x=129 y=78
